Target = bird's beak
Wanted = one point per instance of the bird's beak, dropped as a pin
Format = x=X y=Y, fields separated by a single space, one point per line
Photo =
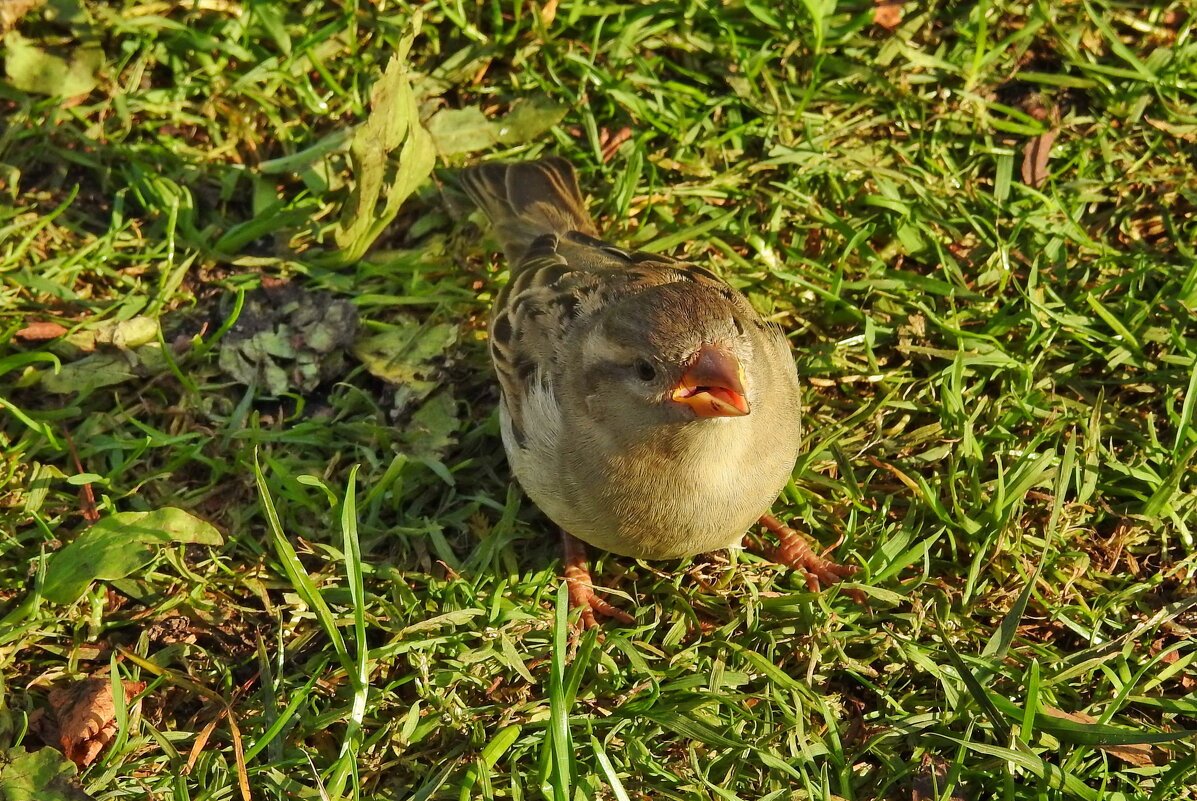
x=713 y=384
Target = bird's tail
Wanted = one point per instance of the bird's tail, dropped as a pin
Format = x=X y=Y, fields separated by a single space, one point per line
x=527 y=200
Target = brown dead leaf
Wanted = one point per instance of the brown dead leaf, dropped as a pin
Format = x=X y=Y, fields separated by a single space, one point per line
x=1138 y=754
x=610 y=142
x=86 y=712
x=87 y=498
x=887 y=13
x=930 y=780
x=1185 y=132
x=12 y=10
x=1035 y=155
x=201 y=742
x=172 y=630
x=37 y=332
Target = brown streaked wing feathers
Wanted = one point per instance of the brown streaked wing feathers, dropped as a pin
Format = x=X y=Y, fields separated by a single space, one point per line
x=527 y=200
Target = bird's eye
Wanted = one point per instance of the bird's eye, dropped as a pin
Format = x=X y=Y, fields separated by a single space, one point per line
x=644 y=370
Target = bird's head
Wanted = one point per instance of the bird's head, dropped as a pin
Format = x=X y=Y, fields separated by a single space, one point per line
x=672 y=354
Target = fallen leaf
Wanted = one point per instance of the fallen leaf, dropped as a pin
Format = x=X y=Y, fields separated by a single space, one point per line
x=86 y=712
x=610 y=142
x=1035 y=155
x=410 y=357
x=887 y=13
x=37 y=332
x=41 y=775
x=123 y=334
x=41 y=72
x=406 y=352
x=433 y=427
x=102 y=370
x=287 y=339
x=1186 y=132
x=460 y=130
x=1137 y=754
x=455 y=131
x=131 y=351
x=117 y=545
x=529 y=118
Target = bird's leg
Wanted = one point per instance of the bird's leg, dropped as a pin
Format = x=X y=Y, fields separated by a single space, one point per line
x=581 y=586
x=795 y=552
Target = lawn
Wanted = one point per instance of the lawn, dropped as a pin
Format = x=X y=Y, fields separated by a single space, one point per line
x=249 y=453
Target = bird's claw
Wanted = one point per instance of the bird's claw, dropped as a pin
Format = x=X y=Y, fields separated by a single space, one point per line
x=795 y=552
x=581 y=587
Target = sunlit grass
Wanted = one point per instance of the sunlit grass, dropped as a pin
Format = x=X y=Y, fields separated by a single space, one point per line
x=999 y=385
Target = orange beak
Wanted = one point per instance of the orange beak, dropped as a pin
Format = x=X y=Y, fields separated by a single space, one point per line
x=713 y=384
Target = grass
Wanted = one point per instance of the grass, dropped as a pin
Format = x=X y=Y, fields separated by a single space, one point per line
x=999 y=370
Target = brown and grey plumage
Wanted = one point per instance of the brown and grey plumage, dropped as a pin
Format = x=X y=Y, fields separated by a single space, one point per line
x=646 y=407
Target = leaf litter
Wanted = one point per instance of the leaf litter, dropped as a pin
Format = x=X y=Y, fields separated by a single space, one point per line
x=288 y=339
x=410 y=356
x=101 y=354
x=1036 y=154
x=47 y=66
x=86 y=715
x=42 y=775
x=468 y=130
x=117 y=545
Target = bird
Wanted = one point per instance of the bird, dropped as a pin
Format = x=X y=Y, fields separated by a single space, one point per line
x=645 y=406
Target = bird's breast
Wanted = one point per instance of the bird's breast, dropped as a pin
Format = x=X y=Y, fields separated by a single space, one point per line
x=683 y=492
x=679 y=491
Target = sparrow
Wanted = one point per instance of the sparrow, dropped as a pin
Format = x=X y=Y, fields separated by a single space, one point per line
x=645 y=406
